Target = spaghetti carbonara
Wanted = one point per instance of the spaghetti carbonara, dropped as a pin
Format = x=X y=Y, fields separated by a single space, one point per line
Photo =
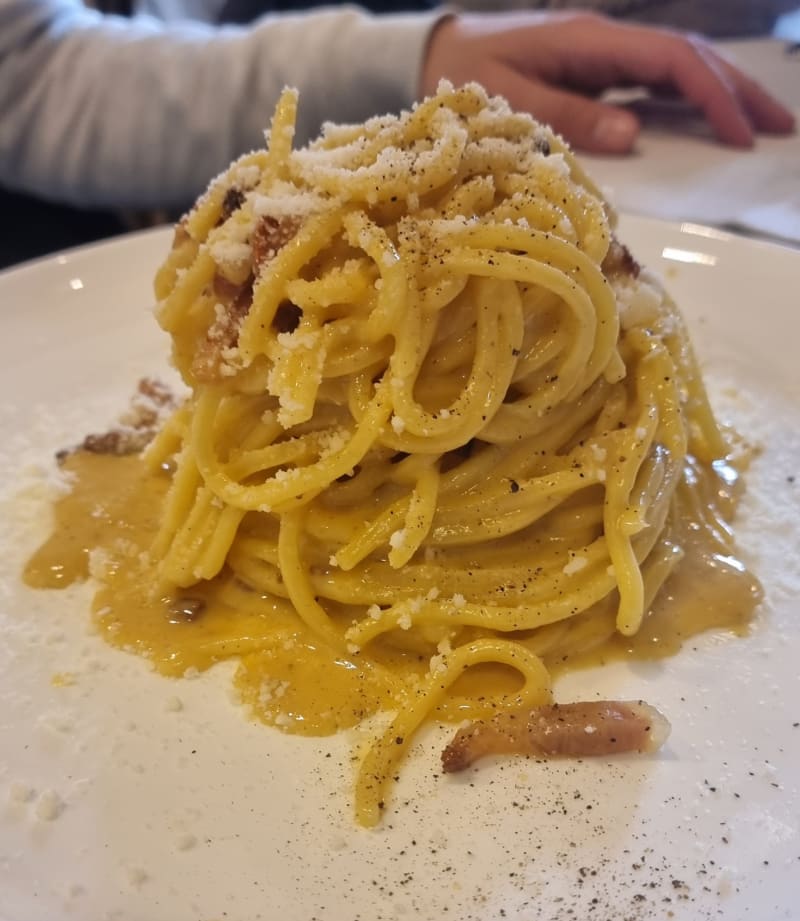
x=442 y=428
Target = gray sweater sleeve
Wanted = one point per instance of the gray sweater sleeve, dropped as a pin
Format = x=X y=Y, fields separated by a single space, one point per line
x=99 y=110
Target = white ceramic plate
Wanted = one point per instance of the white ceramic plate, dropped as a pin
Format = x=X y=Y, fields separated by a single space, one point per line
x=125 y=795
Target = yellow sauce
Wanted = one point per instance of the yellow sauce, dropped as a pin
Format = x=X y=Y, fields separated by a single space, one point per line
x=105 y=524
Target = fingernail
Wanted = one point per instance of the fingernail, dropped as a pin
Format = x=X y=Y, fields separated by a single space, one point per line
x=615 y=131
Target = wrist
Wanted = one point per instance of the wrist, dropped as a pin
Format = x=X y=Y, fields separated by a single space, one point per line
x=435 y=55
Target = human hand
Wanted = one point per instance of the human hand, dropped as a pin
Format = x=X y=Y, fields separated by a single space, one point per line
x=551 y=64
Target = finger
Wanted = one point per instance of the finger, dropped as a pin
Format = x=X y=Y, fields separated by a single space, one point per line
x=765 y=112
x=585 y=124
x=715 y=92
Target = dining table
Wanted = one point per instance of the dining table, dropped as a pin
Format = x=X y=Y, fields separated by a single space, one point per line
x=129 y=796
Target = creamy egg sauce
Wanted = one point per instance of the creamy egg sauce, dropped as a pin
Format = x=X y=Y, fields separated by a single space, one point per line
x=105 y=523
